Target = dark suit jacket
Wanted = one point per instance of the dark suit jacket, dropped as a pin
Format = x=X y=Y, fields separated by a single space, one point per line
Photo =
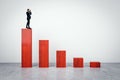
x=28 y=15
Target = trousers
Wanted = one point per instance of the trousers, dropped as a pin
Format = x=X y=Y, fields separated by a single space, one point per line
x=28 y=23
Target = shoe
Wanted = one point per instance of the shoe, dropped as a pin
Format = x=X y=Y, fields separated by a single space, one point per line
x=28 y=28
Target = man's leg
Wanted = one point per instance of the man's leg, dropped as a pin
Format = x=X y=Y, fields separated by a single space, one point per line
x=27 y=24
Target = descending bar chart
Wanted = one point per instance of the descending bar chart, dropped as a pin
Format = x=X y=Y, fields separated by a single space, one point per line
x=60 y=58
x=43 y=53
x=26 y=54
x=26 y=48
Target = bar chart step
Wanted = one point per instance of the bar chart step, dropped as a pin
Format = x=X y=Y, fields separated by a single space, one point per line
x=26 y=46
x=60 y=58
x=43 y=53
x=95 y=64
x=78 y=62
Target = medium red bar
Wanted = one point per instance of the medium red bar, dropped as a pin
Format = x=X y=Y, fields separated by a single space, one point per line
x=43 y=53
x=61 y=58
x=78 y=62
x=94 y=64
x=26 y=48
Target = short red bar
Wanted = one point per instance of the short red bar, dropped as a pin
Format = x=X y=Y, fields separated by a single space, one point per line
x=78 y=62
x=26 y=48
x=95 y=65
x=61 y=58
x=43 y=53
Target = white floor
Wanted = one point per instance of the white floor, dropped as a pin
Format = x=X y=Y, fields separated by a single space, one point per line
x=108 y=71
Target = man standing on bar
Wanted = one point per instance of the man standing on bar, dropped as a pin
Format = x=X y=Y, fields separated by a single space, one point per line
x=28 y=13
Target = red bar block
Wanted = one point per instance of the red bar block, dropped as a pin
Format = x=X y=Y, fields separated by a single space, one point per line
x=26 y=47
x=78 y=62
x=95 y=64
x=61 y=58
x=43 y=53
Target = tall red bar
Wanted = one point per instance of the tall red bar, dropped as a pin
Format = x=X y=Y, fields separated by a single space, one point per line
x=61 y=58
x=43 y=53
x=95 y=64
x=78 y=62
x=26 y=48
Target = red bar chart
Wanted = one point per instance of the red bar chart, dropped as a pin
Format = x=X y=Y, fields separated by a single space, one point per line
x=26 y=48
x=60 y=58
x=78 y=62
x=43 y=53
x=26 y=54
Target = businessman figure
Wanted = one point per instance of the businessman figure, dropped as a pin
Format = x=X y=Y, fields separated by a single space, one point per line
x=28 y=13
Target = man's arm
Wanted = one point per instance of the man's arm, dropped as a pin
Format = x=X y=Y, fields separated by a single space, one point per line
x=30 y=12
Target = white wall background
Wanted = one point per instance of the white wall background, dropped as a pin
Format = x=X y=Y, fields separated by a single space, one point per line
x=85 y=28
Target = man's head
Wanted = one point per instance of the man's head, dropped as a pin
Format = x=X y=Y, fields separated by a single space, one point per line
x=28 y=10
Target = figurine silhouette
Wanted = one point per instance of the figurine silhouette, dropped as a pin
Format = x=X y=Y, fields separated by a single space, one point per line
x=28 y=13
